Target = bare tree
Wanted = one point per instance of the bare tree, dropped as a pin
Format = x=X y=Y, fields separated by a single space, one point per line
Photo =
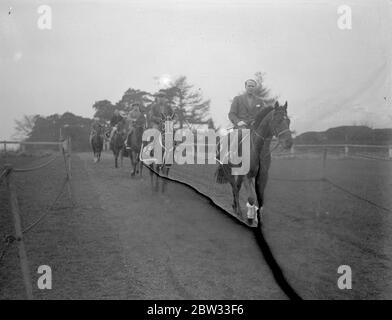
x=189 y=103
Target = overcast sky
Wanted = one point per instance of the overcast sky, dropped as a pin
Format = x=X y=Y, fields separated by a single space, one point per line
x=98 y=49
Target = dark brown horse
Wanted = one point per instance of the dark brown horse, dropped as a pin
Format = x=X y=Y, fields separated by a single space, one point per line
x=134 y=141
x=272 y=121
x=117 y=143
x=162 y=168
x=97 y=139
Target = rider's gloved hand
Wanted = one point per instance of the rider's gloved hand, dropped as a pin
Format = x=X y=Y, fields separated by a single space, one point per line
x=241 y=123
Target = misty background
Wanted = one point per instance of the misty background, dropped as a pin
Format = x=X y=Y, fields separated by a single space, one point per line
x=98 y=49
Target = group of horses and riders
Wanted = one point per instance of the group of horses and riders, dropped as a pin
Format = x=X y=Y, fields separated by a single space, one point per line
x=247 y=111
x=126 y=130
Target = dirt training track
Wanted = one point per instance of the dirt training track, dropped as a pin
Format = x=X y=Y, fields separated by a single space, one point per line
x=124 y=240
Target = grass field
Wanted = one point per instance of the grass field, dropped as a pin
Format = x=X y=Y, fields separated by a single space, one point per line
x=70 y=240
x=313 y=228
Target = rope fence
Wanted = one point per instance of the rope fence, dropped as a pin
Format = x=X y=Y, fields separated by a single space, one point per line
x=202 y=177
x=324 y=179
x=8 y=175
x=374 y=152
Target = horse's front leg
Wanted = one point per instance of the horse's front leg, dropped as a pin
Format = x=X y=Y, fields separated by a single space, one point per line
x=132 y=163
x=140 y=166
x=236 y=186
x=121 y=156
x=151 y=174
x=165 y=173
x=116 y=160
x=260 y=184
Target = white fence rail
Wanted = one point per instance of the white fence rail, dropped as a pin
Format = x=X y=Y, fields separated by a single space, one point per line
x=347 y=150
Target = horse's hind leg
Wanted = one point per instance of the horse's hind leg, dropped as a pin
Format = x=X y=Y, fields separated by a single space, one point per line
x=116 y=160
x=235 y=190
x=158 y=169
x=121 y=157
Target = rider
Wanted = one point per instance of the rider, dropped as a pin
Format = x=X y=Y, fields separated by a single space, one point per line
x=114 y=121
x=160 y=110
x=136 y=119
x=245 y=107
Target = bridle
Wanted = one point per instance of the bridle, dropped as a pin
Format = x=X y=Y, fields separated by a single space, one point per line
x=274 y=133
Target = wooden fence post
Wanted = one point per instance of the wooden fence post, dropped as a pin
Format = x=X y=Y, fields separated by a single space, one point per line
x=324 y=161
x=390 y=152
x=18 y=234
x=69 y=157
x=321 y=183
x=345 y=151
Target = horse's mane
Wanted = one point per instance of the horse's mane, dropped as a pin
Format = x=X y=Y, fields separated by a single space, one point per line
x=261 y=115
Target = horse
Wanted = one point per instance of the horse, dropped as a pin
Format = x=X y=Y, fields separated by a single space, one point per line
x=135 y=143
x=271 y=121
x=117 y=144
x=163 y=167
x=97 y=139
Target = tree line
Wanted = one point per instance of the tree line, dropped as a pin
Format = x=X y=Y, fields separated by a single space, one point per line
x=190 y=106
x=185 y=100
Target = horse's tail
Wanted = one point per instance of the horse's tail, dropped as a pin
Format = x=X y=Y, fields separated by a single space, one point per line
x=221 y=175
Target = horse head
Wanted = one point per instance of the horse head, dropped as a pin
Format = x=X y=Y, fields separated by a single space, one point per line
x=164 y=118
x=280 y=125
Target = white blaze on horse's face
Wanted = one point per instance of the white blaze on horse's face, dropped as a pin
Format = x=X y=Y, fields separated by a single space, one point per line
x=152 y=145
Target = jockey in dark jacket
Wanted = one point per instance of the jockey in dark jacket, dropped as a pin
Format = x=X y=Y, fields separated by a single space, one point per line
x=245 y=107
x=135 y=118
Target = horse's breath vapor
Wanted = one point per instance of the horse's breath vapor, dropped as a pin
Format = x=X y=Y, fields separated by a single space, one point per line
x=230 y=150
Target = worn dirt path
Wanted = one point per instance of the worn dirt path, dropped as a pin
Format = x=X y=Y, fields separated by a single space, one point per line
x=174 y=245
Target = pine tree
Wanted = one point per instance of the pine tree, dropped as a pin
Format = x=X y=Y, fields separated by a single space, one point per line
x=188 y=103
